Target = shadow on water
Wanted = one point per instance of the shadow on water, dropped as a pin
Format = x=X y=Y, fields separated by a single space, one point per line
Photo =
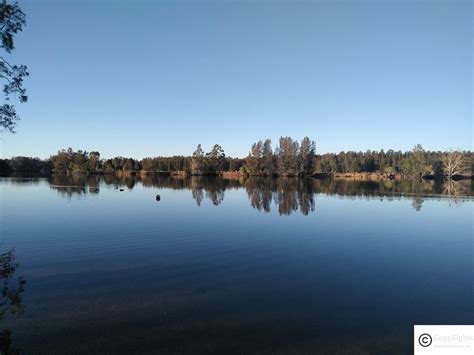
x=11 y=299
x=286 y=195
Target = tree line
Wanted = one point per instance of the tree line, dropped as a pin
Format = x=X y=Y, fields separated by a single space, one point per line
x=288 y=158
x=417 y=163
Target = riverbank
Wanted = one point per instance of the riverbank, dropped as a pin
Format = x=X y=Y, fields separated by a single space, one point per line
x=381 y=177
x=236 y=175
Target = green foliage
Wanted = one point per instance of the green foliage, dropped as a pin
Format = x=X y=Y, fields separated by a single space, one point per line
x=12 y=21
x=389 y=170
x=198 y=163
x=82 y=162
x=415 y=163
x=213 y=162
x=287 y=157
x=290 y=158
x=24 y=164
x=4 y=166
x=245 y=170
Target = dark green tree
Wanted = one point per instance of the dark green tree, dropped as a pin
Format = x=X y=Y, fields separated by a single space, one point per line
x=215 y=159
x=93 y=163
x=287 y=154
x=306 y=156
x=268 y=159
x=198 y=162
x=12 y=21
x=254 y=159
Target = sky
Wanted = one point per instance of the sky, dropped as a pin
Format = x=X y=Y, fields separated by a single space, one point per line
x=150 y=78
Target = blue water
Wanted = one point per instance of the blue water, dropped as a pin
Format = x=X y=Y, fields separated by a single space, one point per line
x=221 y=266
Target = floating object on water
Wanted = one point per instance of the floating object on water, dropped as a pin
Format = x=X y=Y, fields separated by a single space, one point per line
x=121 y=189
x=158 y=197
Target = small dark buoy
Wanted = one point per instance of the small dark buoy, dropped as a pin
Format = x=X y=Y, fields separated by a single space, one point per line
x=158 y=197
x=121 y=189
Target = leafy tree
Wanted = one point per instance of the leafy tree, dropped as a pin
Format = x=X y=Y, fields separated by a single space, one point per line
x=4 y=166
x=306 y=156
x=437 y=167
x=129 y=165
x=268 y=159
x=287 y=154
x=198 y=161
x=234 y=164
x=12 y=21
x=78 y=162
x=216 y=159
x=254 y=159
x=108 y=167
x=93 y=163
x=60 y=162
x=28 y=164
x=419 y=163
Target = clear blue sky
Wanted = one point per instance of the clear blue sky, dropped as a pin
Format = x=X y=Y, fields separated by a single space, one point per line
x=147 y=78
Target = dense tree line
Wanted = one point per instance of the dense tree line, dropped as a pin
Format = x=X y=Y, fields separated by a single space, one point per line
x=213 y=162
x=83 y=162
x=415 y=163
x=25 y=164
x=289 y=158
x=201 y=164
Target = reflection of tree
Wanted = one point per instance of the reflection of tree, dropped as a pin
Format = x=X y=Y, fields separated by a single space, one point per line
x=215 y=195
x=287 y=195
x=260 y=192
x=290 y=194
x=68 y=186
x=417 y=203
x=93 y=182
x=129 y=181
x=213 y=187
x=395 y=188
x=11 y=301
x=306 y=196
x=455 y=191
x=197 y=189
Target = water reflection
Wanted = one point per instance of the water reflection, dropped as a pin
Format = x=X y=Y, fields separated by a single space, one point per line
x=173 y=276
x=11 y=298
x=75 y=185
x=213 y=191
x=286 y=195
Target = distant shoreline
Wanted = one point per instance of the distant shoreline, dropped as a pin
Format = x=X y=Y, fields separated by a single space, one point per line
x=355 y=176
x=288 y=158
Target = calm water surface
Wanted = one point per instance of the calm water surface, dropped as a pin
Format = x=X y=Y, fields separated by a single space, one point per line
x=281 y=266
